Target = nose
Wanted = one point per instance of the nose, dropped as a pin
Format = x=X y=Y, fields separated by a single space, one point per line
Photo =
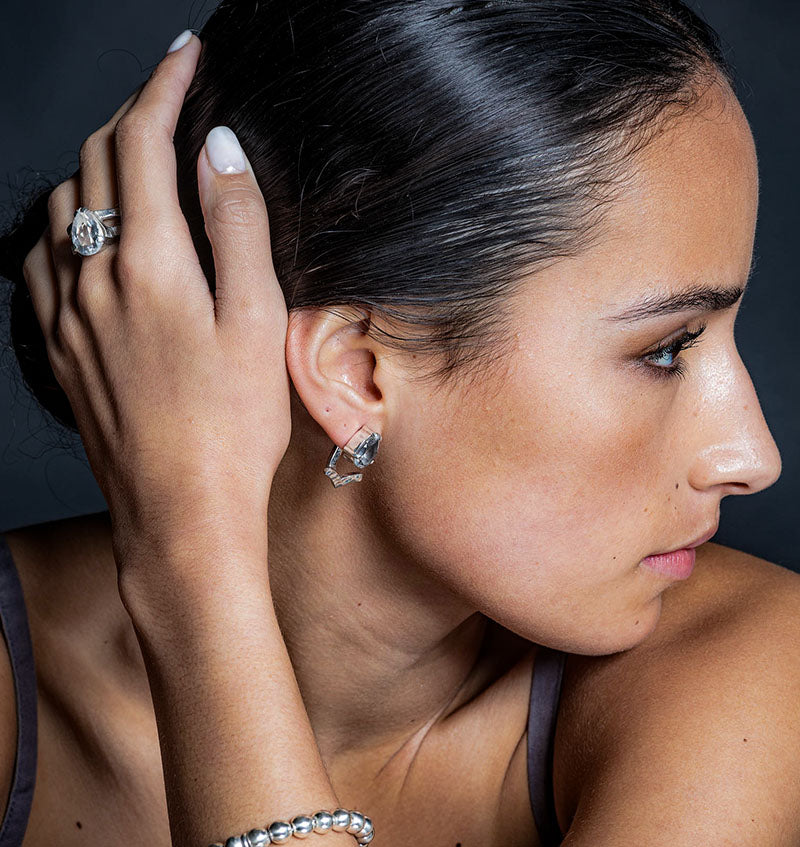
x=736 y=452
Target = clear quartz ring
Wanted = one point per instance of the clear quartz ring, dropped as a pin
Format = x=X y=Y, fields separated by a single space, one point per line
x=88 y=232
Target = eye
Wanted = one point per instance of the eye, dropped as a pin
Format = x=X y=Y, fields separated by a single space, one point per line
x=673 y=367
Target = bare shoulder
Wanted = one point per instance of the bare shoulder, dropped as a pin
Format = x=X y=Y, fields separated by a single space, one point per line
x=68 y=576
x=80 y=535
x=693 y=734
x=44 y=557
x=62 y=561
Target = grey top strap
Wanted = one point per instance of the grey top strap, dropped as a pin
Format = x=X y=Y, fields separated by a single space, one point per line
x=548 y=672
x=14 y=619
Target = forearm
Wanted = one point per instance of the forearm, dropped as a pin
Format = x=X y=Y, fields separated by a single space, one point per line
x=237 y=747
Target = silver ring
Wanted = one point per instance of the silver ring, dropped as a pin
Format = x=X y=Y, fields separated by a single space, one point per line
x=88 y=232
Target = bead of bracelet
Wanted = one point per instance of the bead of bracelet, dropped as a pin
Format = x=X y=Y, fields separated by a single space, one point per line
x=301 y=826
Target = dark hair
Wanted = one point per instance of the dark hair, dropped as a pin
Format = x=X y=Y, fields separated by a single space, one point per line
x=416 y=156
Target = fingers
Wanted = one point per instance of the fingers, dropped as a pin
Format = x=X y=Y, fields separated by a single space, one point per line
x=145 y=155
x=93 y=186
x=238 y=229
x=98 y=172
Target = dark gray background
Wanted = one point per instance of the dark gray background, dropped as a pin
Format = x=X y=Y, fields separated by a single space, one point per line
x=66 y=73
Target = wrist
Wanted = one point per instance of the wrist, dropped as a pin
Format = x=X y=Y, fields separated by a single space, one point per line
x=210 y=574
x=176 y=528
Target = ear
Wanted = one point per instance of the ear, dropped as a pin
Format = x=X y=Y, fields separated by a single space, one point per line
x=339 y=372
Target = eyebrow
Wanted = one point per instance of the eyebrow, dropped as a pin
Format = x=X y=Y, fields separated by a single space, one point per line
x=702 y=298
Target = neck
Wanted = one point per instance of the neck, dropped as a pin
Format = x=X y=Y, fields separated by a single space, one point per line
x=381 y=650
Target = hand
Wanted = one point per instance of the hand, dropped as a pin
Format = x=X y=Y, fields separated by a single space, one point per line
x=181 y=398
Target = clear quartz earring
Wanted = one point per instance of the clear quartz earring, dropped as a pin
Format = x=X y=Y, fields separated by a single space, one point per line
x=361 y=449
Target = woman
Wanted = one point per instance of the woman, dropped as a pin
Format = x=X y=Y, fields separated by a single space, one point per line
x=497 y=227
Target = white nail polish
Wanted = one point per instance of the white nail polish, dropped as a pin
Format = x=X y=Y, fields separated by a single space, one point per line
x=224 y=151
x=180 y=41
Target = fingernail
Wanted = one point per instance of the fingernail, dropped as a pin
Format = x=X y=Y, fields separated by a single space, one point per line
x=180 y=41
x=224 y=151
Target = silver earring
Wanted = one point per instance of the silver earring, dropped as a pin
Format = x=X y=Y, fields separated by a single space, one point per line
x=361 y=449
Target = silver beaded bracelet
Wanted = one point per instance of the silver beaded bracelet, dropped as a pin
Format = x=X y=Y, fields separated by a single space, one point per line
x=340 y=820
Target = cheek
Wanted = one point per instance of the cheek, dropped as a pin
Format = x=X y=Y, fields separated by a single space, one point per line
x=531 y=505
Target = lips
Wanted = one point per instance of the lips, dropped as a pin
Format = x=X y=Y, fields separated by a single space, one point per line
x=677 y=565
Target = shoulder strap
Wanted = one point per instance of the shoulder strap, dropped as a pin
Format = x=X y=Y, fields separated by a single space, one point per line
x=548 y=671
x=14 y=619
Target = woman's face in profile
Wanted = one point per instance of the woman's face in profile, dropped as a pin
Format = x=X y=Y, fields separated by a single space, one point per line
x=581 y=455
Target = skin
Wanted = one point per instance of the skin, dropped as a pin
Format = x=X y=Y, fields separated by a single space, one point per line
x=551 y=480
x=531 y=498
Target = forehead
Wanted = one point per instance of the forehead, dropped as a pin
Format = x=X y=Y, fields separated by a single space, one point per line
x=697 y=177
x=686 y=215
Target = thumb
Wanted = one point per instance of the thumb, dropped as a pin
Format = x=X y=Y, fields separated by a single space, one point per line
x=237 y=226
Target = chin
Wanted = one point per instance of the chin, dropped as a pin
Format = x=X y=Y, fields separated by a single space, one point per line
x=638 y=626
x=626 y=630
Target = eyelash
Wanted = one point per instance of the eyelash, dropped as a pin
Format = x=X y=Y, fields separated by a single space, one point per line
x=674 y=348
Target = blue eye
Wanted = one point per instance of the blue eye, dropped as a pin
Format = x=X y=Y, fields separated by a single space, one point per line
x=674 y=367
